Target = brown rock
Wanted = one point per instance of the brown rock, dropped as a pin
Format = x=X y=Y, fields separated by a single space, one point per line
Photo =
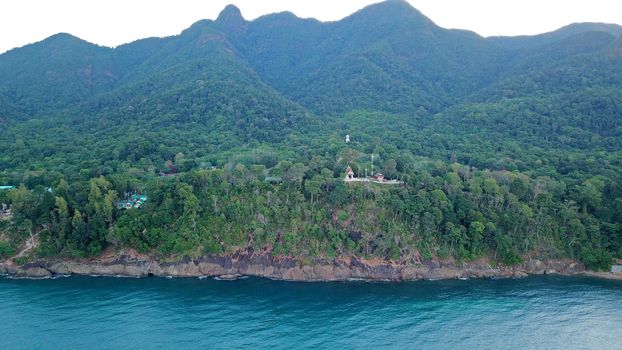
x=10 y=269
x=229 y=277
x=289 y=268
x=35 y=272
x=59 y=269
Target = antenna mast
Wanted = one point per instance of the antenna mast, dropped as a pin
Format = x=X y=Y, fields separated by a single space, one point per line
x=372 y=164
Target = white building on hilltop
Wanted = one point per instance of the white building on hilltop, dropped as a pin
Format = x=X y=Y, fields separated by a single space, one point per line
x=349 y=173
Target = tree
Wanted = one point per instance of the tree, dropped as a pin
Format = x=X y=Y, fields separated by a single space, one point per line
x=189 y=203
x=476 y=235
x=390 y=168
x=327 y=178
x=313 y=186
x=589 y=194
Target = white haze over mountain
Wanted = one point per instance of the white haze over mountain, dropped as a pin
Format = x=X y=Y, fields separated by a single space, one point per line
x=114 y=22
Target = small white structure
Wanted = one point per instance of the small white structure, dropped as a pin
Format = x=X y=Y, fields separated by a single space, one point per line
x=616 y=268
x=347 y=138
x=378 y=178
x=349 y=174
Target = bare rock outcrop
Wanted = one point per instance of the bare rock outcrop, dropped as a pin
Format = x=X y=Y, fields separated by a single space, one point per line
x=285 y=268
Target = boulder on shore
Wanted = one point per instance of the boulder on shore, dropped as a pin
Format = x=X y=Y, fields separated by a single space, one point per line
x=35 y=272
x=229 y=277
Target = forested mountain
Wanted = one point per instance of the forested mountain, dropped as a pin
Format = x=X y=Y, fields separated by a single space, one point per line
x=57 y=72
x=507 y=146
x=534 y=41
x=386 y=57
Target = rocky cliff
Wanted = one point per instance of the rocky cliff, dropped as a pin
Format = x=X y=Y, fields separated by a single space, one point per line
x=284 y=268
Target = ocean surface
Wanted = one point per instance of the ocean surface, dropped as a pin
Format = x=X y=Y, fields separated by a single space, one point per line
x=158 y=313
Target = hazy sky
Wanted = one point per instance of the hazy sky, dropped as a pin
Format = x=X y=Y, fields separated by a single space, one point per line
x=114 y=22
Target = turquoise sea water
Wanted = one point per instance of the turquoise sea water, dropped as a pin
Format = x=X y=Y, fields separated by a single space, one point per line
x=156 y=313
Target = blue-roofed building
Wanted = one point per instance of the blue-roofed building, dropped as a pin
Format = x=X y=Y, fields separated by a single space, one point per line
x=134 y=201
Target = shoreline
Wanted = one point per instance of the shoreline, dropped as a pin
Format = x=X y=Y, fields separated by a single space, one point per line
x=238 y=265
x=603 y=275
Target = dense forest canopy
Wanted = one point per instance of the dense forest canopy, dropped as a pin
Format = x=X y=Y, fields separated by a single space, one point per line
x=507 y=147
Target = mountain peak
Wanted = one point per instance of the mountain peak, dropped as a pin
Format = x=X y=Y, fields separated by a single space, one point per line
x=395 y=5
x=392 y=11
x=230 y=19
x=62 y=37
x=398 y=3
x=65 y=40
x=230 y=11
x=230 y=14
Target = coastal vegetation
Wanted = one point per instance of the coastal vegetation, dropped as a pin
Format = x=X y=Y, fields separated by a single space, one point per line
x=507 y=148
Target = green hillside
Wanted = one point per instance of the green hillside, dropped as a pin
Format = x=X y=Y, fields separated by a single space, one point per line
x=507 y=148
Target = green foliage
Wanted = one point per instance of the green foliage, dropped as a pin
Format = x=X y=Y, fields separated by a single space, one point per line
x=507 y=251
x=6 y=250
x=596 y=259
x=506 y=147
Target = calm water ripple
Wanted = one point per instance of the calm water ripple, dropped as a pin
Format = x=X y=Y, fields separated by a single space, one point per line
x=110 y=313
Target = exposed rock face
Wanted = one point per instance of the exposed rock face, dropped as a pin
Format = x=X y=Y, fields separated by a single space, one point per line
x=285 y=268
x=34 y=270
x=566 y=266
